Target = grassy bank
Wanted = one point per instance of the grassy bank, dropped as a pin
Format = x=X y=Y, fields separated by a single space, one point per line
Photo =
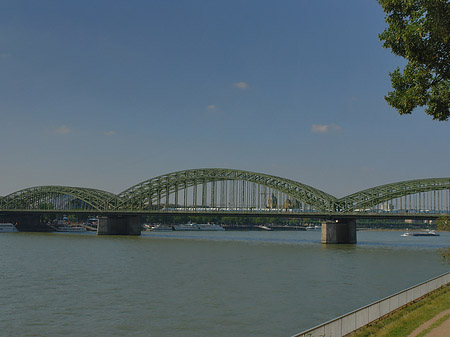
x=402 y=322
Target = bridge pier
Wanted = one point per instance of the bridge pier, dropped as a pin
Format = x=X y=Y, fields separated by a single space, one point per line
x=339 y=231
x=119 y=225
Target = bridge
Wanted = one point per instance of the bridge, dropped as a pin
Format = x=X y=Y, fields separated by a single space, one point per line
x=233 y=192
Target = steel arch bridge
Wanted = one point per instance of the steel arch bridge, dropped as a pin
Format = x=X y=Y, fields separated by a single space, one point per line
x=421 y=193
x=222 y=188
x=216 y=189
x=59 y=198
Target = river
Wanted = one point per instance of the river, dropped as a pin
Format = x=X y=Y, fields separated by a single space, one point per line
x=200 y=283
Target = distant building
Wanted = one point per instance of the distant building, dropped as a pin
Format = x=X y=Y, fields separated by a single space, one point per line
x=272 y=202
x=387 y=207
x=418 y=221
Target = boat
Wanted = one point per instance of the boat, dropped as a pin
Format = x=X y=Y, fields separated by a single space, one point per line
x=197 y=227
x=427 y=232
x=185 y=227
x=7 y=227
x=264 y=228
x=158 y=228
x=92 y=222
x=67 y=228
x=313 y=227
x=210 y=227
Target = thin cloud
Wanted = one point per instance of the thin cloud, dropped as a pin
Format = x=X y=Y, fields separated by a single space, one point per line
x=109 y=133
x=335 y=127
x=319 y=128
x=212 y=111
x=63 y=130
x=4 y=55
x=324 y=128
x=241 y=85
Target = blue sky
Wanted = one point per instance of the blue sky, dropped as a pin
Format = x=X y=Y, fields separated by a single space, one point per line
x=106 y=94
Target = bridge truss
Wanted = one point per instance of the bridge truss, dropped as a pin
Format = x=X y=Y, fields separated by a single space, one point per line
x=224 y=189
x=215 y=189
x=413 y=196
x=59 y=198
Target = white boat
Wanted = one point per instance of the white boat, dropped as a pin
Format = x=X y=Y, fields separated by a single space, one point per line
x=70 y=229
x=92 y=222
x=427 y=232
x=7 y=227
x=197 y=227
x=210 y=227
x=159 y=228
x=313 y=228
x=265 y=228
x=185 y=227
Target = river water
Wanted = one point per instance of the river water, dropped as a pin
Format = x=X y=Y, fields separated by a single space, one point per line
x=200 y=284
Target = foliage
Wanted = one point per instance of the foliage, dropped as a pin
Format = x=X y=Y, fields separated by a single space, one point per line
x=419 y=31
x=443 y=224
x=404 y=321
x=445 y=253
x=434 y=325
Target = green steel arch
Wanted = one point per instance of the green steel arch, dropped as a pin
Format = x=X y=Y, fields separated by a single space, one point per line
x=45 y=197
x=377 y=195
x=144 y=194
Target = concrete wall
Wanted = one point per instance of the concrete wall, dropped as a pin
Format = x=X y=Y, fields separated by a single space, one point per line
x=356 y=319
x=341 y=231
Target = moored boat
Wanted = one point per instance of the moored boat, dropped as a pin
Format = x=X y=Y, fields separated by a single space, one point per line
x=68 y=228
x=197 y=227
x=210 y=227
x=263 y=227
x=7 y=227
x=160 y=228
x=311 y=227
x=427 y=232
x=185 y=227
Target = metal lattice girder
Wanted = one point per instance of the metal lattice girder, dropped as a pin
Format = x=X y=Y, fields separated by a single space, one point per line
x=142 y=196
x=376 y=195
x=42 y=197
x=149 y=191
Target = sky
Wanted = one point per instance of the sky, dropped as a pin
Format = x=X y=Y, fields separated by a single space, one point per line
x=106 y=94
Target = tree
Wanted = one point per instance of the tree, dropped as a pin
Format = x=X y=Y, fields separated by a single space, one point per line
x=443 y=223
x=419 y=31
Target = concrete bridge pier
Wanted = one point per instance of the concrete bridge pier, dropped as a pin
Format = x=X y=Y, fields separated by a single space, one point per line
x=119 y=225
x=339 y=231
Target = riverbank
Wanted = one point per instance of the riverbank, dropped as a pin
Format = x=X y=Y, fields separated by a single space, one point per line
x=417 y=319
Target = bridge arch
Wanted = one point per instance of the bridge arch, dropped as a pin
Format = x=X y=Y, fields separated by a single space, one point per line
x=374 y=196
x=221 y=183
x=229 y=189
x=59 y=197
